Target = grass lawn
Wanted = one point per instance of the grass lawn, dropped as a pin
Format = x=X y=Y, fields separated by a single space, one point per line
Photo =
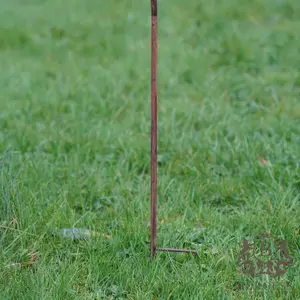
x=74 y=147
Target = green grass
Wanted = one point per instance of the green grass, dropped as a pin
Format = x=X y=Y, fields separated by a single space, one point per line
x=74 y=146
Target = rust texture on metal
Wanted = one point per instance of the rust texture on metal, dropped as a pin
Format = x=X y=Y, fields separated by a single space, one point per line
x=177 y=250
x=153 y=124
x=154 y=136
x=154 y=8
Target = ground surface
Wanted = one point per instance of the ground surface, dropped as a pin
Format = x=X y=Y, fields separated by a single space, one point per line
x=74 y=142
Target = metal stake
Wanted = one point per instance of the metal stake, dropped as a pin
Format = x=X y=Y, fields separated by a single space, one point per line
x=153 y=124
x=154 y=135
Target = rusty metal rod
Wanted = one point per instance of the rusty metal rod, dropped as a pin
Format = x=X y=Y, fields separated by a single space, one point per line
x=154 y=135
x=153 y=124
x=177 y=250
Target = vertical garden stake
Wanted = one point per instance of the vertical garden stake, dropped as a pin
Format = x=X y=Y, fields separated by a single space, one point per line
x=153 y=124
x=154 y=134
